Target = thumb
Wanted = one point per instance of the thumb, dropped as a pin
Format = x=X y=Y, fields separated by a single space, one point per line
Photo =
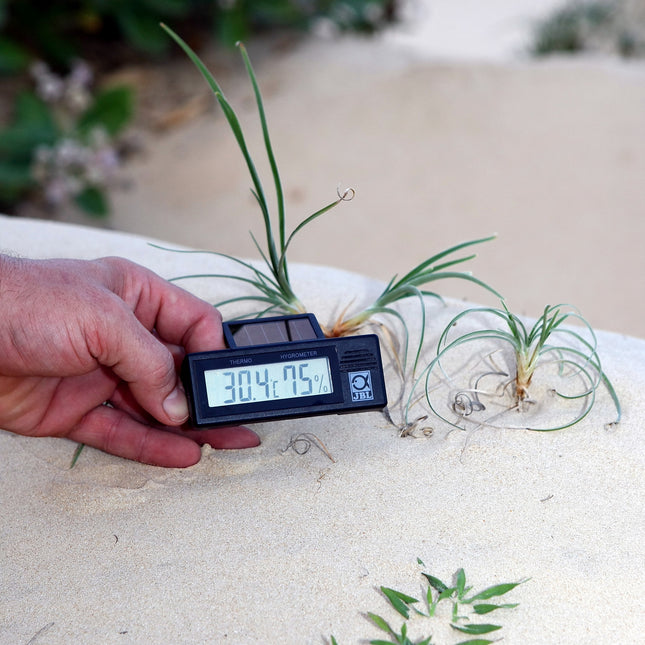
x=153 y=382
x=175 y=406
x=137 y=357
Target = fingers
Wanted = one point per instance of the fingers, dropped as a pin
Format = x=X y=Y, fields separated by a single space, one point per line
x=99 y=330
x=143 y=359
x=229 y=438
x=115 y=432
x=233 y=438
x=135 y=356
x=177 y=316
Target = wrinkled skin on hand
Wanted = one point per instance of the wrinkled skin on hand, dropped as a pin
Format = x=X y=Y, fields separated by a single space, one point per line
x=75 y=334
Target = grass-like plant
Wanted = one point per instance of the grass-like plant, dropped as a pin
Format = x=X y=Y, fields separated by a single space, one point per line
x=551 y=341
x=271 y=286
x=465 y=606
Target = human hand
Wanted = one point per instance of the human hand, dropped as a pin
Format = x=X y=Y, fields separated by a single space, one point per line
x=75 y=334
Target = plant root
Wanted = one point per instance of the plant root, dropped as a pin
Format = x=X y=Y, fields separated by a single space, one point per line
x=409 y=429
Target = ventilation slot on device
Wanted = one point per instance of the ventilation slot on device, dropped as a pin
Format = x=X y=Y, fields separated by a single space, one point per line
x=357 y=359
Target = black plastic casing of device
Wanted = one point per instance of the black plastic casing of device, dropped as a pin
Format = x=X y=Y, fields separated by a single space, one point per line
x=354 y=362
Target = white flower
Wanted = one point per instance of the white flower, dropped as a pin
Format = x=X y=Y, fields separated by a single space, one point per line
x=81 y=74
x=56 y=191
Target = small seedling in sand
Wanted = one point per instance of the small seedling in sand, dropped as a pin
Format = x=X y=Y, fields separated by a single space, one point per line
x=271 y=287
x=76 y=455
x=463 y=602
x=569 y=352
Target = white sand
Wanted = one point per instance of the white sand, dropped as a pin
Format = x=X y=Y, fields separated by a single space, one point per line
x=495 y=30
x=550 y=155
x=262 y=546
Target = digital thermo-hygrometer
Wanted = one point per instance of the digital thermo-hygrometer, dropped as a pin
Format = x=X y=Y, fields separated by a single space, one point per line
x=279 y=368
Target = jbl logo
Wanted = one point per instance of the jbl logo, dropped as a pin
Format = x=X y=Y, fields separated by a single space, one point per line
x=360 y=385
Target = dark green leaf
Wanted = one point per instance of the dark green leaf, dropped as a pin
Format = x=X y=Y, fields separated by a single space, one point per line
x=399 y=601
x=381 y=623
x=76 y=455
x=169 y=7
x=435 y=583
x=476 y=641
x=112 y=109
x=15 y=176
x=496 y=590
x=232 y=26
x=32 y=126
x=19 y=142
x=447 y=593
x=93 y=202
x=461 y=582
x=432 y=605
x=141 y=29
x=486 y=609
x=13 y=58
x=482 y=628
x=399 y=594
x=33 y=111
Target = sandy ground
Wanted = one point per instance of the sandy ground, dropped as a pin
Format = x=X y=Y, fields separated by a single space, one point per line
x=548 y=155
x=271 y=546
x=469 y=30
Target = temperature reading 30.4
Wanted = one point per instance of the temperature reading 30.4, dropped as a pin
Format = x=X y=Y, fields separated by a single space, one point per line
x=268 y=382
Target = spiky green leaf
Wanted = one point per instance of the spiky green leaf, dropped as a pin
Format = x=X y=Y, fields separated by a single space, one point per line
x=461 y=582
x=487 y=608
x=435 y=583
x=495 y=590
x=381 y=623
x=399 y=601
x=474 y=629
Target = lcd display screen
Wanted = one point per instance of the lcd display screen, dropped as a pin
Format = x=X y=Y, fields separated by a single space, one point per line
x=268 y=382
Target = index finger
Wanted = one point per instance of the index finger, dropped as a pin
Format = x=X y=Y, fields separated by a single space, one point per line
x=184 y=319
x=178 y=317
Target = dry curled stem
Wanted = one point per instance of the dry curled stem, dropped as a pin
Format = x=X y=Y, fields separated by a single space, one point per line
x=302 y=442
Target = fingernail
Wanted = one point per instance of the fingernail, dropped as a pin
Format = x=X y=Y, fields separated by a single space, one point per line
x=175 y=406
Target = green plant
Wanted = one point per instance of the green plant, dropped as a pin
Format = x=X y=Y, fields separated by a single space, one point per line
x=465 y=607
x=567 y=29
x=572 y=351
x=59 y=30
x=62 y=142
x=236 y=21
x=272 y=290
x=616 y=26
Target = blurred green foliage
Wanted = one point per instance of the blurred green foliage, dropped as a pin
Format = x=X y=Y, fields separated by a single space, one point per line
x=608 y=26
x=565 y=30
x=60 y=145
x=52 y=152
x=60 y=30
x=32 y=125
